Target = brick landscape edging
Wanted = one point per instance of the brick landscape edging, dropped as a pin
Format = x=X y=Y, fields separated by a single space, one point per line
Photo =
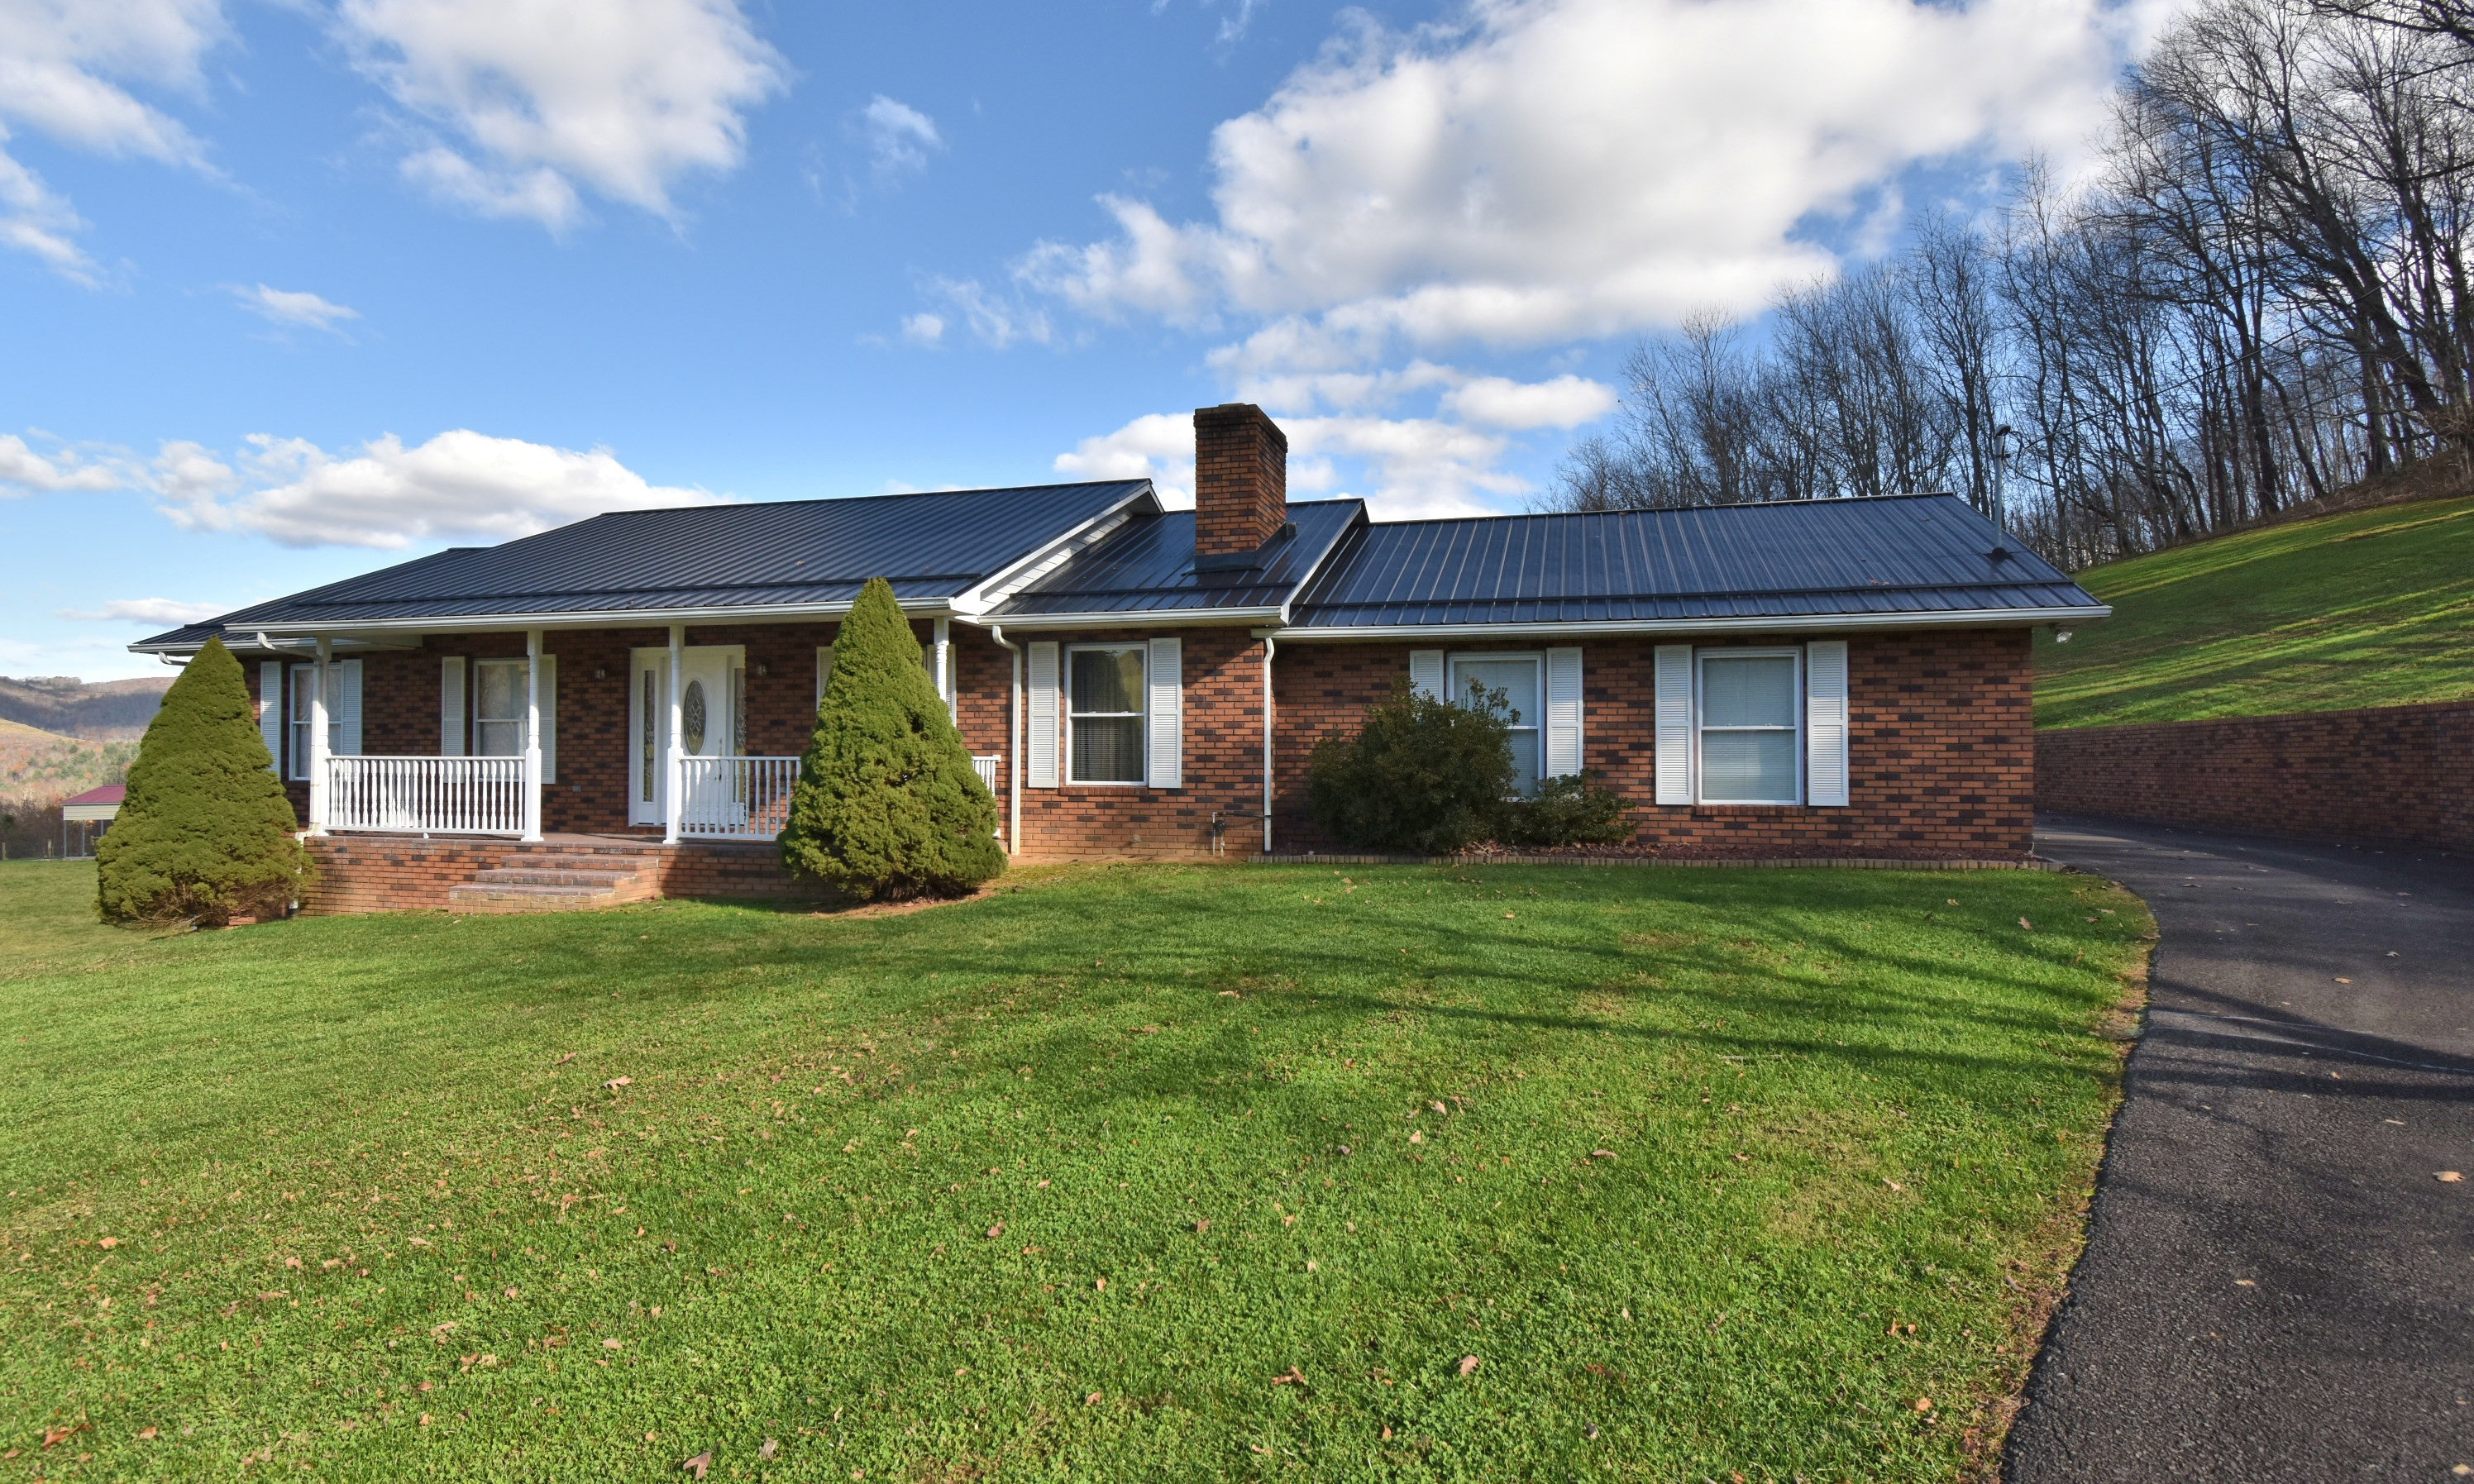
x=2389 y=774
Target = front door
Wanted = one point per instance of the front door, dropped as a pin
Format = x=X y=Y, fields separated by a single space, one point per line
x=711 y=711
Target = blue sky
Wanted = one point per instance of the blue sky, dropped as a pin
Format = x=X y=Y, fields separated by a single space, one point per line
x=296 y=289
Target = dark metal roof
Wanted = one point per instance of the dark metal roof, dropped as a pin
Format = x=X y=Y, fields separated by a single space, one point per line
x=1146 y=566
x=1916 y=553
x=774 y=553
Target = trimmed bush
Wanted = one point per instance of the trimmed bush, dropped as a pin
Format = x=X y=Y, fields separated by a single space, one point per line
x=206 y=833
x=1422 y=775
x=887 y=804
x=1573 y=810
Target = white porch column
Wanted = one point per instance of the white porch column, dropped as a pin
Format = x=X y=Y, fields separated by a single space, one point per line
x=317 y=743
x=532 y=735
x=945 y=665
x=673 y=761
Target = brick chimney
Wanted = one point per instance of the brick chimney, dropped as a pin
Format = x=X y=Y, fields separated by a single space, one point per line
x=1241 y=483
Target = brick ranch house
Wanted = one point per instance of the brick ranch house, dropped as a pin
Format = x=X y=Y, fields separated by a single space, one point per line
x=616 y=708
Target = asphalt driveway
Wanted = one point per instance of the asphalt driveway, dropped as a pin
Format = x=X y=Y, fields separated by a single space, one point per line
x=2278 y=1284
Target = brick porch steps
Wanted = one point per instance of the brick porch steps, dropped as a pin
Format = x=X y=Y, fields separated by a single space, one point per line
x=558 y=879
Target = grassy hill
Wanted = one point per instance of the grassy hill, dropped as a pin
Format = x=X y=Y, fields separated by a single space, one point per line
x=45 y=766
x=2370 y=608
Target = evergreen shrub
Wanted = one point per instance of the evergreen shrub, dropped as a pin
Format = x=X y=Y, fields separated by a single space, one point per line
x=1422 y=774
x=206 y=833
x=887 y=804
x=1576 y=808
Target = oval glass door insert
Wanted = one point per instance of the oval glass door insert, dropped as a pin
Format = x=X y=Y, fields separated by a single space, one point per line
x=691 y=718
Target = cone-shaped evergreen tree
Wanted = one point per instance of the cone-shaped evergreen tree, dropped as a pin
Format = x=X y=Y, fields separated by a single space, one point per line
x=206 y=832
x=887 y=803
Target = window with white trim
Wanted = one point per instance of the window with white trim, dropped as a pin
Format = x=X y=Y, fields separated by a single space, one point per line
x=498 y=704
x=1105 y=714
x=1520 y=677
x=1749 y=726
x=342 y=713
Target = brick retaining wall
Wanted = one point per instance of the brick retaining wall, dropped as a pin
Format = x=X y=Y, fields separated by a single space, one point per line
x=2398 y=774
x=376 y=873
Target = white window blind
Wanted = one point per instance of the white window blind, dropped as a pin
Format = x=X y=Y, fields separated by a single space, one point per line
x=1168 y=713
x=1674 y=727
x=270 y=712
x=1426 y=671
x=1749 y=727
x=450 y=706
x=1562 y=712
x=1826 y=724
x=1039 y=748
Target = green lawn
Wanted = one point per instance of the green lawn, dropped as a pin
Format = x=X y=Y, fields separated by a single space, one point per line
x=581 y=1197
x=2375 y=608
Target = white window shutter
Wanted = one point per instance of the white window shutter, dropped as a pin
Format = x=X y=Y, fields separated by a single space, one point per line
x=550 y=718
x=1562 y=712
x=1039 y=749
x=270 y=711
x=1426 y=672
x=1167 y=707
x=1674 y=739
x=824 y=670
x=343 y=707
x=450 y=706
x=1824 y=728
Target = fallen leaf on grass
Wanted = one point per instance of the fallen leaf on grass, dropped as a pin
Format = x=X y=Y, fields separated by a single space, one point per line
x=1417 y=1138
x=146 y=1434
x=1602 y=1154
x=2025 y=923
x=620 y=1082
x=996 y=1231
x=1291 y=1376
x=1894 y=1184
x=564 y=1060
x=108 y=1243
x=612 y=1344
x=1102 y=1285
x=1091 y=1401
x=768 y=1449
x=1203 y=1225
x=425 y=1418
x=698 y=1464
x=1469 y=1363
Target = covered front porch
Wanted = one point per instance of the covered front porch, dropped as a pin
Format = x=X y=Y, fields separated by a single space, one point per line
x=676 y=736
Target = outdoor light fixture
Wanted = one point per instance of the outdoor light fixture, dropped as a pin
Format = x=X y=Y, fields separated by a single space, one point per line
x=601 y=672
x=764 y=668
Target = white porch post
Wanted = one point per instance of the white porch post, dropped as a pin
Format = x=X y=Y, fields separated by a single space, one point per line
x=945 y=664
x=317 y=743
x=674 y=761
x=532 y=735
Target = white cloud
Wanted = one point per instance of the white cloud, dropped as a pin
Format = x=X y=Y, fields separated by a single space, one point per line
x=459 y=484
x=1157 y=446
x=996 y=319
x=923 y=329
x=65 y=68
x=621 y=97
x=24 y=472
x=1547 y=169
x=1566 y=401
x=148 y=610
x=898 y=136
x=293 y=307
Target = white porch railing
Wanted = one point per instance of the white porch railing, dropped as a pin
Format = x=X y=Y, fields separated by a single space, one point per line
x=986 y=767
x=734 y=799
x=426 y=795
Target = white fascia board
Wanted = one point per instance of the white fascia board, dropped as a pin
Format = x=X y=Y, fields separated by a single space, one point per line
x=995 y=588
x=1974 y=617
x=622 y=618
x=1141 y=617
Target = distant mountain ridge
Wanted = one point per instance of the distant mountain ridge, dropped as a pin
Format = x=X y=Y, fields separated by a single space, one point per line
x=104 y=711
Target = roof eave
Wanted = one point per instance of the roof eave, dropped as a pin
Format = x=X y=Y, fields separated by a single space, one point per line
x=1820 y=622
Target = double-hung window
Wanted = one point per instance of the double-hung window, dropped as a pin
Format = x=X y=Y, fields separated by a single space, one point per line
x=343 y=711
x=1104 y=712
x=498 y=700
x=1521 y=679
x=1752 y=747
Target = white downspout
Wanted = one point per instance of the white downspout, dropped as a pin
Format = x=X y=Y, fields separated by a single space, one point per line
x=1268 y=647
x=1014 y=738
x=945 y=668
x=317 y=743
x=532 y=735
x=674 y=761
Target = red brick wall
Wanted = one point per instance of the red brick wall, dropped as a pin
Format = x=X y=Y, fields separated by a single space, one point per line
x=1940 y=748
x=1942 y=755
x=1222 y=670
x=2401 y=775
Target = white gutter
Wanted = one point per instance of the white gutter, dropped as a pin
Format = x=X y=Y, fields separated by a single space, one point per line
x=1144 y=618
x=1972 y=618
x=1014 y=738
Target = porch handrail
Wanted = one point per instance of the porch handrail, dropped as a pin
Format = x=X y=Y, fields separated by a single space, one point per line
x=734 y=799
x=426 y=795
